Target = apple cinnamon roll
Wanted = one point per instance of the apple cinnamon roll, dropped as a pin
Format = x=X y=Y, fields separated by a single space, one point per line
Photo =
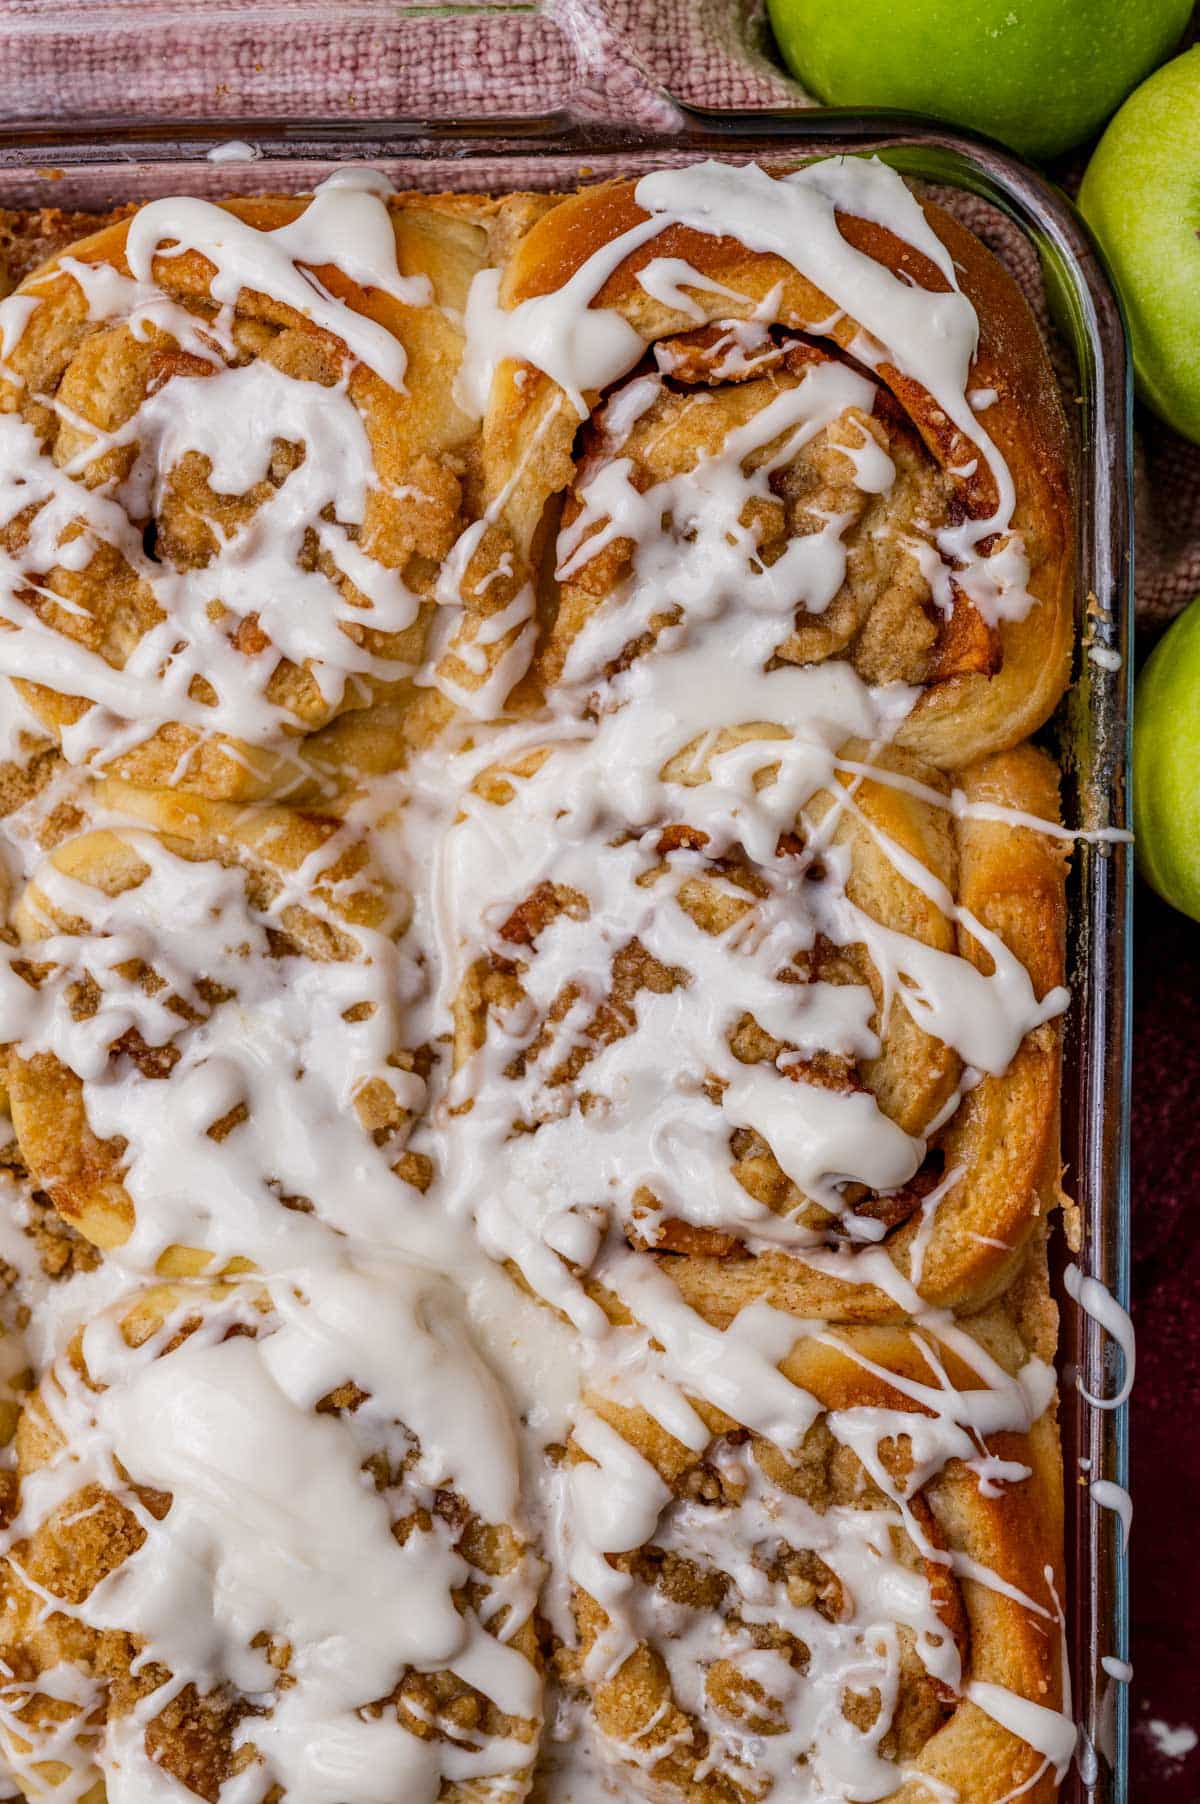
x=267 y=1544
x=204 y=1013
x=849 y=426
x=849 y=1589
x=232 y=466
x=825 y=1074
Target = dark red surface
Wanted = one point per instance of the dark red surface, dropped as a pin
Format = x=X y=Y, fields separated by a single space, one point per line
x=1166 y=1404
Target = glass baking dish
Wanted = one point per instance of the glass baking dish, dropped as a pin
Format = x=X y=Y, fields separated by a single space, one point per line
x=96 y=165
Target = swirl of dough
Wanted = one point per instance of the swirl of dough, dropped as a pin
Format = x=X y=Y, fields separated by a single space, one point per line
x=253 y=1549
x=823 y=1610
x=230 y=466
x=206 y=1006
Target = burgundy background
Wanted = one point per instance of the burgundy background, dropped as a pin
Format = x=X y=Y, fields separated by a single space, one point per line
x=1166 y=1402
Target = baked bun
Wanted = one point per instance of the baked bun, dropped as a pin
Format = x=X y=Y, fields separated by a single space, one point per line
x=216 y=1455
x=923 y=426
x=771 y=1046
x=235 y=502
x=174 y=965
x=830 y=1589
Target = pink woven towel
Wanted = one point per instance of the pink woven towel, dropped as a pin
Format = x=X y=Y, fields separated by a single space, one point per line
x=617 y=59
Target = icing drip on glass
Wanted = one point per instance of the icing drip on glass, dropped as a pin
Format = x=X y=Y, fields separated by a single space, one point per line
x=1095 y=1299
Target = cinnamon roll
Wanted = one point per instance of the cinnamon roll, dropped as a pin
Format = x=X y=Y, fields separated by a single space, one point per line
x=845 y=1590
x=771 y=1046
x=882 y=386
x=231 y=468
x=174 y=969
x=247 y=1552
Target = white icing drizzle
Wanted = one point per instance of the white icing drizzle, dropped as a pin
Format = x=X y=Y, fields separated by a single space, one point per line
x=1107 y=657
x=1096 y=1300
x=1114 y=1497
x=960 y=807
x=344 y=226
x=357 y=1276
x=1049 y=1732
x=666 y=279
x=860 y=1649
x=269 y=1502
x=744 y=348
x=233 y=150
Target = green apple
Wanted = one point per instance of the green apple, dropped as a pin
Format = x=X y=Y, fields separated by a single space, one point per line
x=1041 y=75
x=1141 y=197
x=1166 y=765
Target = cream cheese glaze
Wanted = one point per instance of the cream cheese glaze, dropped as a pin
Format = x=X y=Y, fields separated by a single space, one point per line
x=479 y=1279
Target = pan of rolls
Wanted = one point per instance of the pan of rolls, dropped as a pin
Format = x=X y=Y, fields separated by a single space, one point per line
x=531 y=999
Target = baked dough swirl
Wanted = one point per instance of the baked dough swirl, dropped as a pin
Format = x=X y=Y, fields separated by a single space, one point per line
x=817 y=1104
x=824 y=1604
x=959 y=581
x=175 y=968
x=189 y=1402
x=226 y=507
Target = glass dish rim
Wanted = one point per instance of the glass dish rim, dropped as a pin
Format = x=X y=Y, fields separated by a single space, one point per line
x=1094 y=721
